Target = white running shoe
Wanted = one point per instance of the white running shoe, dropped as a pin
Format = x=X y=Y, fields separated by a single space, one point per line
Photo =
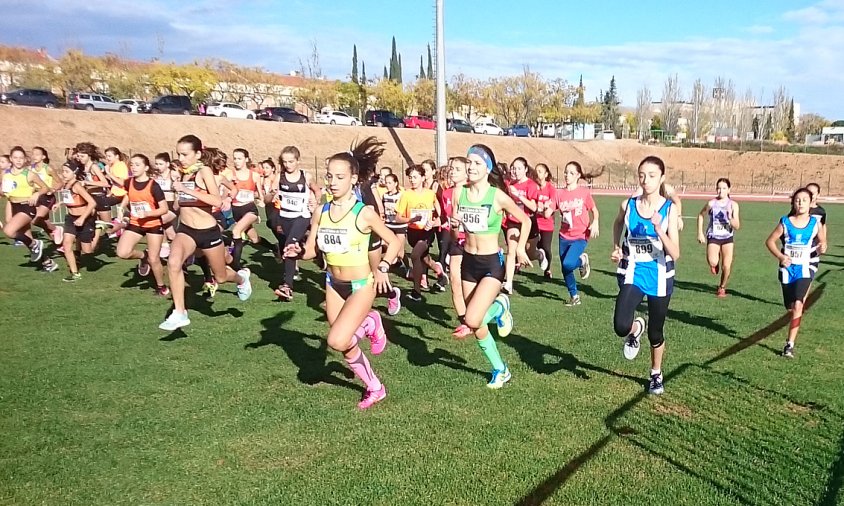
x=244 y=290
x=58 y=235
x=176 y=320
x=499 y=378
x=585 y=268
x=36 y=250
x=631 y=342
x=543 y=260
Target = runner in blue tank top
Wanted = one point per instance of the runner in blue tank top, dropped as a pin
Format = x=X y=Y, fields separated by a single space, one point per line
x=646 y=245
x=723 y=215
x=803 y=241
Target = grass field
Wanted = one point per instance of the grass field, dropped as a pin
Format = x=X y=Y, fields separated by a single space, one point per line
x=97 y=406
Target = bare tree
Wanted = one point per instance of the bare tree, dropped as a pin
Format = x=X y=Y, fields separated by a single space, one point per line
x=745 y=113
x=311 y=68
x=672 y=96
x=643 y=111
x=725 y=114
x=780 y=112
x=699 y=118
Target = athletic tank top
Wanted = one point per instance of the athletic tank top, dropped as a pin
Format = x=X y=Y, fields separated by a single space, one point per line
x=91 y=178
x=719 y=219
x=390 y=202
x=644 y=263
x=245 y=189
x=186 y=200
x=70 y=198
x=16 y=186
x=479 y=217
x=342 y=242
x=41 y=171
x=142 y=201
x=799 y=245
x=293 y=197
x=166 y=185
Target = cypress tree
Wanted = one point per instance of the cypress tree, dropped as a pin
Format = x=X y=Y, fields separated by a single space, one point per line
x=355 y=63
x=421 y=68
x=430 y=64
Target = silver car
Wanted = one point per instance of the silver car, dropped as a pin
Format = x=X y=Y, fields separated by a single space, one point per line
x=96 y=102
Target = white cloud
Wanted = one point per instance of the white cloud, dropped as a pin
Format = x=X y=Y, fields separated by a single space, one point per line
x=759 y=29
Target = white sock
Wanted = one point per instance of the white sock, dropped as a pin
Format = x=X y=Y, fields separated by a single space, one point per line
x=655 y=371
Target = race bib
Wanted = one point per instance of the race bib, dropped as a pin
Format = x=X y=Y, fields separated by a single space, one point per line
x=8 y=185
x=293 y=202
x=644 y=250
x=245 y=196
x=139 y=209
x=568 y=218
x=65 y=197
x=799 y=255
x=333 y=240
x=165 y=184
x=475 y=219
x=424 y=217
x=184 y=197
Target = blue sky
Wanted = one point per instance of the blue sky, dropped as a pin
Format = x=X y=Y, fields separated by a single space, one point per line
x=759 y=45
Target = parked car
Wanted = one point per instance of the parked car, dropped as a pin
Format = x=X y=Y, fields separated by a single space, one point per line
x=488 y=128
x=420 y=122
x=550 y=130
x=458 y=125
x=27 y=96
x=607 y=135
x=169 y=104
x=228 y=110
x=135 y=105
x=95 y=102
x=335 y=118
x=519 y=131
x=281 y=114
x=382 y=118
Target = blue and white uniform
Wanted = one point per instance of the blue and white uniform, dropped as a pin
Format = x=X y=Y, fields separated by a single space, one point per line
x=800 y=246
x=645 y=263
x=719 y=220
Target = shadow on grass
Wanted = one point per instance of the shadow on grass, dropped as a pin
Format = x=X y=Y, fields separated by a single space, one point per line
x=417 y=348
x=308 y=358
x=710 y=289
x=836 y=479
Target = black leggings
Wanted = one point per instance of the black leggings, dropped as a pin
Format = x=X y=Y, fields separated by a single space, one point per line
x=292 y=230
x=446 y=244
x=628 y=299
x=545 y=238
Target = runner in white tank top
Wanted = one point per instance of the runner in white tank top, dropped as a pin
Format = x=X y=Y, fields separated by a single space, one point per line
x=723 y=213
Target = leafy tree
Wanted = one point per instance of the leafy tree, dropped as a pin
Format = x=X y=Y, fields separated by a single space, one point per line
x=465 y=92
x=755 y=127
x=790 y=131
x=656 y=123
x=78 y=72
x=421 y=69
x=769 y=126
x=838 y=123
x=363 y=72
x=193 y=80
x=349 y=97
x=385 y=72
x=391 y=96
x=399 y=74
x=355 y=63
x=559 y=100
x=36 y=76
x=430 y=64
x=394 y=63
x=424 y=96
x=609 y=108
x=811 y=124
x=316 y=94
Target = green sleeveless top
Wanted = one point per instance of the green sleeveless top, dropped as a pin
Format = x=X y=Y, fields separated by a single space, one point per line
x=479 y=217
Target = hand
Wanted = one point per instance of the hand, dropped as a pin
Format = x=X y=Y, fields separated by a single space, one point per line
x=227 y=204
x=548 y=212
x=55 y=207
x=416 y=218
x=656 y=220
x=785 y=261
x=522 y=257
x=454 y=222
x=312 y=203
x=79 y=221
x=33 y=200
x=382 y=282
x=679 y=223
x=822 y=248
x=616 y=255
x=594 y=231
x=178 y=186
x=292 y=250
x=701 y=239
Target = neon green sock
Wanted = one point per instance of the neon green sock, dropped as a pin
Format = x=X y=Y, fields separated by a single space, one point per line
x=495 y=310
x=487 y=345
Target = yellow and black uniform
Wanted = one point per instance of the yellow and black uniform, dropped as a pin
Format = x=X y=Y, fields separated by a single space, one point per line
x=18 y=190
x=343 y=245
x=143 y=199
x=42 y=170
x=116 y=194
x=421 y=204
x=75 y=204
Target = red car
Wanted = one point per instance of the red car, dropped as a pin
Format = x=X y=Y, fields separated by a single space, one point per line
x=420 y=122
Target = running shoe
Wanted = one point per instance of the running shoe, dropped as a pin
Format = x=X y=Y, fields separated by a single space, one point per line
x=721 y=292
x=176 y=320
x=585 y=268
x=102 y=225
x=437 y=288
x=714 y=269
x=548 y=275
x=372 y=397
x=36 y=250
x=378 y=339
x=414 y=296
x=49 y=265
x=211 y=289
x=165 y=250
x=574 y=301
x=60 y=250
x=284 y=292
x=631 y=342
x=116 y=229
x=58 y=235
x=505 y=319
x=162 y=291
x=507 y=288
x=788 y=350
x=18 y=243
x=423 y=283
x=143 y=265
x=297 y=276
x=394 y=304
x=442 y=279
x=244 y=290
x=462 y=331
x=499 y=378
x=72 y=277
x=543 y=260
x=655 y=386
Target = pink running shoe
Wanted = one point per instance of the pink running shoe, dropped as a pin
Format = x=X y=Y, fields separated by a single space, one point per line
x=372 y=397
x=394 y=304
x=462 y=332
x=378 y=339
x=58 y=235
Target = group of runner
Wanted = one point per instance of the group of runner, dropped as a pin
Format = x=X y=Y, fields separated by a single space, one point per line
x=182 y=209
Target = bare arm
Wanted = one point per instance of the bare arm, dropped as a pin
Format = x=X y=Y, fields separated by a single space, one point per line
x=771 y=243
x=735 y=222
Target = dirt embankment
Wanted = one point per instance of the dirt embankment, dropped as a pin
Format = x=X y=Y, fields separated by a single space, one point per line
x=691 y=168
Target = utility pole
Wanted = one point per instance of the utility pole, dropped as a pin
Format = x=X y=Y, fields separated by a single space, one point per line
x=442 y=152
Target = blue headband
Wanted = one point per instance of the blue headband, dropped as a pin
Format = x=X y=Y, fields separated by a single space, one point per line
x=477 y=150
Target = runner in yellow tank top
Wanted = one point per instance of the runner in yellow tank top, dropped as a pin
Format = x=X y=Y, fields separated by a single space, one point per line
x=22 y=187
x=40 y=161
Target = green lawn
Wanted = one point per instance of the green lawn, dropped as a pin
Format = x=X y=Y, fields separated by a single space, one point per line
x=97 y=406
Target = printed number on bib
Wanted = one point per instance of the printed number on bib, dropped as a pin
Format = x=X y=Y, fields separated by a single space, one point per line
x=165 y=184
x=293 y=203
x=644 y=250
x=424 y=216
x=333 y=240
x=475 y=219
x=184 y=197
x=65 y=197
x=721 y=228
x=139 y=208
x=245 y=196
x=798 y=254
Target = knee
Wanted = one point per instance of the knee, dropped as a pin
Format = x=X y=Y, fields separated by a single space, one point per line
x=154 y=261
x=124 y=253
x=655 y=337
x=339 y=341
x=473 y=321
x=569 y=264
x=622 y=325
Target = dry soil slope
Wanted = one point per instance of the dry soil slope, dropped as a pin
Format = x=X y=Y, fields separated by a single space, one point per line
x=150 y=134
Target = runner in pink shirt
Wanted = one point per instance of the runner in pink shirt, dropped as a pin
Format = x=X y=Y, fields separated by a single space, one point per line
x=544 y=216
x=576 y=228
x=524 y=191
